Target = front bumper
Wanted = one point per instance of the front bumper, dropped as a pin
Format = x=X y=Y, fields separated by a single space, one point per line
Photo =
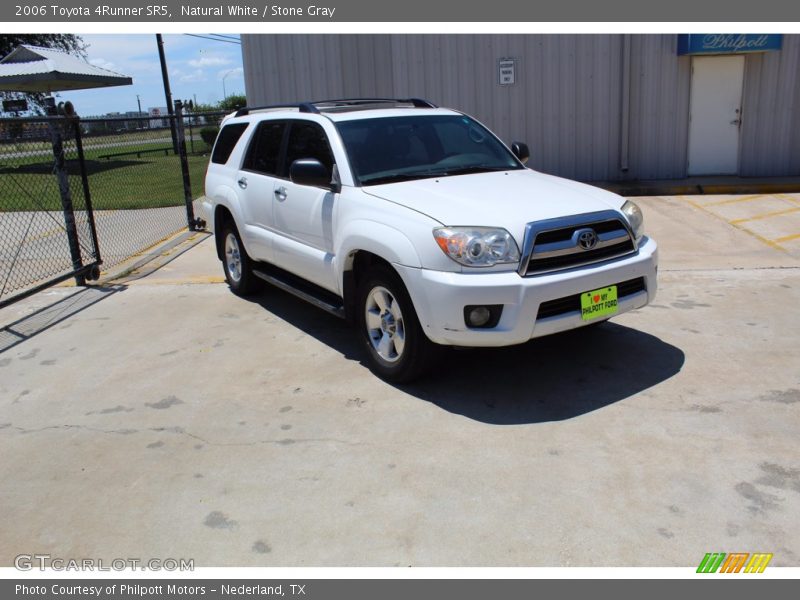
x=204 y=209
x=440 y=297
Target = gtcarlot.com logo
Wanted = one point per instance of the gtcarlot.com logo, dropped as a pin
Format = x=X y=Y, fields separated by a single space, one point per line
x=28 y=562
x=735 y=562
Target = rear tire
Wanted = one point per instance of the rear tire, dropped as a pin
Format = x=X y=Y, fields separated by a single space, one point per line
x=397 y=349
x=237 y=265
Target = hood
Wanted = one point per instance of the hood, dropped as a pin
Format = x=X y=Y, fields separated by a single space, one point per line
x=508 y=199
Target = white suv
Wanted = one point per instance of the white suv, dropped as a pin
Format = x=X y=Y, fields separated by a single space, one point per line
x=420 y=226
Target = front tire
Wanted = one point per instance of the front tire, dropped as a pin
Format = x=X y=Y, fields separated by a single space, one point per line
x=397 y=349
x=237 y=265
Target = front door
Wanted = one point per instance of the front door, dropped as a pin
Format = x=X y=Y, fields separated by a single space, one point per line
x=303 y=215
x=715 y=114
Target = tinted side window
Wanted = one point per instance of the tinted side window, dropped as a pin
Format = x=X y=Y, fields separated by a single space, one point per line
x=226 y=140
x=308 y=140
x=265 y=148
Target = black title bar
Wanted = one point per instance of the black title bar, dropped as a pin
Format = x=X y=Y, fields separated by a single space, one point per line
x=732 y=588
x=464 y=11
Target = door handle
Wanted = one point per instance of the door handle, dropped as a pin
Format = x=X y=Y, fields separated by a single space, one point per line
x=280 y=193
x=242 y=183
x=736 y=122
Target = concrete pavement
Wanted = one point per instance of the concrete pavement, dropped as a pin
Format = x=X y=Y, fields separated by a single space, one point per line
x=36 y=246
x=170 y=418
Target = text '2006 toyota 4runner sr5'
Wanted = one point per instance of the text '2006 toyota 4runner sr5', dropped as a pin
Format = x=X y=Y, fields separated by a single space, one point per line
x=420 y=226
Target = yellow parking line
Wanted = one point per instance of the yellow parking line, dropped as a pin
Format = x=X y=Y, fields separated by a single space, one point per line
x=777 y=213
x=787 y=238
x=200 y=279
x=770 y=243
x=46 y=234
x=789 y=198
x=735 y=200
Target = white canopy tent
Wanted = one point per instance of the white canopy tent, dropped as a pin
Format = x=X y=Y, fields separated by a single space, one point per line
x=34 y=69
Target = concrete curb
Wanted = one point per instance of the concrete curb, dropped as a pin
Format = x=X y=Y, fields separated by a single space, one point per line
x=657 y=188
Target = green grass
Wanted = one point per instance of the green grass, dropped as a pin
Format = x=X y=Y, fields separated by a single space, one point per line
x=154 y=183
x=123 y=182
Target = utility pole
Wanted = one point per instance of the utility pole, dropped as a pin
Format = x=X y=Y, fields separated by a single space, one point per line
x=139 y=102
x=167 y=92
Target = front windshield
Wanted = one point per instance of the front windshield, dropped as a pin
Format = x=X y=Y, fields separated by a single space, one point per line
x=388 y=149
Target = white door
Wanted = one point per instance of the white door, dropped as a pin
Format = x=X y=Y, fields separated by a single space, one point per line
x=256 y=182
x=303 y=215
x=715 y=114
x=256 y=190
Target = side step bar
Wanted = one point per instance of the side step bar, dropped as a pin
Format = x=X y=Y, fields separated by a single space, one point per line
x=305 y=291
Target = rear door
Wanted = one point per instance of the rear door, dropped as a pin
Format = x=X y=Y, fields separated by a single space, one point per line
x=303 y=215
x=257 y=181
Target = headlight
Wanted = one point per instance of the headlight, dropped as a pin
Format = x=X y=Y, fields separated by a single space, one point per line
x=477 y=246
x=635 y=218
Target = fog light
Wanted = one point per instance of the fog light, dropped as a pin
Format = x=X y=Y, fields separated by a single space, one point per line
x=479 y=316
x=482 y=317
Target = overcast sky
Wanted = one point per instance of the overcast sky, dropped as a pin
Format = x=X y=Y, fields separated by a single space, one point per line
x=196 y=68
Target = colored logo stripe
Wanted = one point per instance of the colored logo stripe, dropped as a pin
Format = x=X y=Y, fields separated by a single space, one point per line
x=711 y=562
x=733 y=563
x=758 y=563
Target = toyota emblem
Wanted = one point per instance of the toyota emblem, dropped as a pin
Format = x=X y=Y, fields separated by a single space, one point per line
x=587 y=238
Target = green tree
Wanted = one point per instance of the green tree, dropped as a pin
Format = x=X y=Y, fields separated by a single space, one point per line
x=202 y=107
x=67 y=42
x=233 y=102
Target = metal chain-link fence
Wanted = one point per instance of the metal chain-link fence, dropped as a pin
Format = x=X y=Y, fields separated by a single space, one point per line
x=46 y=232
x=137 y=180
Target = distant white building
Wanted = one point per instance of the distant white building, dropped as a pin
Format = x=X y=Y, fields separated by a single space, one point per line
x=160 y=111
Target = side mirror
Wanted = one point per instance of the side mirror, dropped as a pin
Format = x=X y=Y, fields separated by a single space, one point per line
x=520 y=150
x=309 y=171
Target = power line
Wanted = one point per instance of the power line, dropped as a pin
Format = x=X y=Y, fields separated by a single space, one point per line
x=213 y=39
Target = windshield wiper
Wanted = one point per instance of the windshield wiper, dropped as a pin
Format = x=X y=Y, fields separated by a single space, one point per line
x=399 y=177
x=428 y=174
x=471 y=169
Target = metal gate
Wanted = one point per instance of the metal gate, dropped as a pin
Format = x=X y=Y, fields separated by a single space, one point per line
x=72 y=187
x=47 y=230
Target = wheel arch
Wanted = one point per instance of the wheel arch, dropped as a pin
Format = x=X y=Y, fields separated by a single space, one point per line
x=359 y=251
x=225 y=207
x=222 y=215
x=358 y=264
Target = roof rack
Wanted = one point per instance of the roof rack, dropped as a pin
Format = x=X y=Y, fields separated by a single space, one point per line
x=338 y=104
x=306 y=107
x=359 y=102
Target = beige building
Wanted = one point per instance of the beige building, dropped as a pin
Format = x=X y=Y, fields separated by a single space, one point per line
x=591 y=107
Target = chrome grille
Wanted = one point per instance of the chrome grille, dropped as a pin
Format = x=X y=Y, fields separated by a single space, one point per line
x=555 y=244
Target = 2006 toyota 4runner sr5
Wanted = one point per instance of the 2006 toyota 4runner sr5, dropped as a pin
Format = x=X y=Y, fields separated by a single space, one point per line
x=420 y=226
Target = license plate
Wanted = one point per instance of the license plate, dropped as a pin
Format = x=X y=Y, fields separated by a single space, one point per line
x=599 y=303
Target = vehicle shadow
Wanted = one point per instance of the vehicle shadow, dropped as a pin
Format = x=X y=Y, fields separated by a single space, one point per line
x=551 y=378
x=547 y=379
